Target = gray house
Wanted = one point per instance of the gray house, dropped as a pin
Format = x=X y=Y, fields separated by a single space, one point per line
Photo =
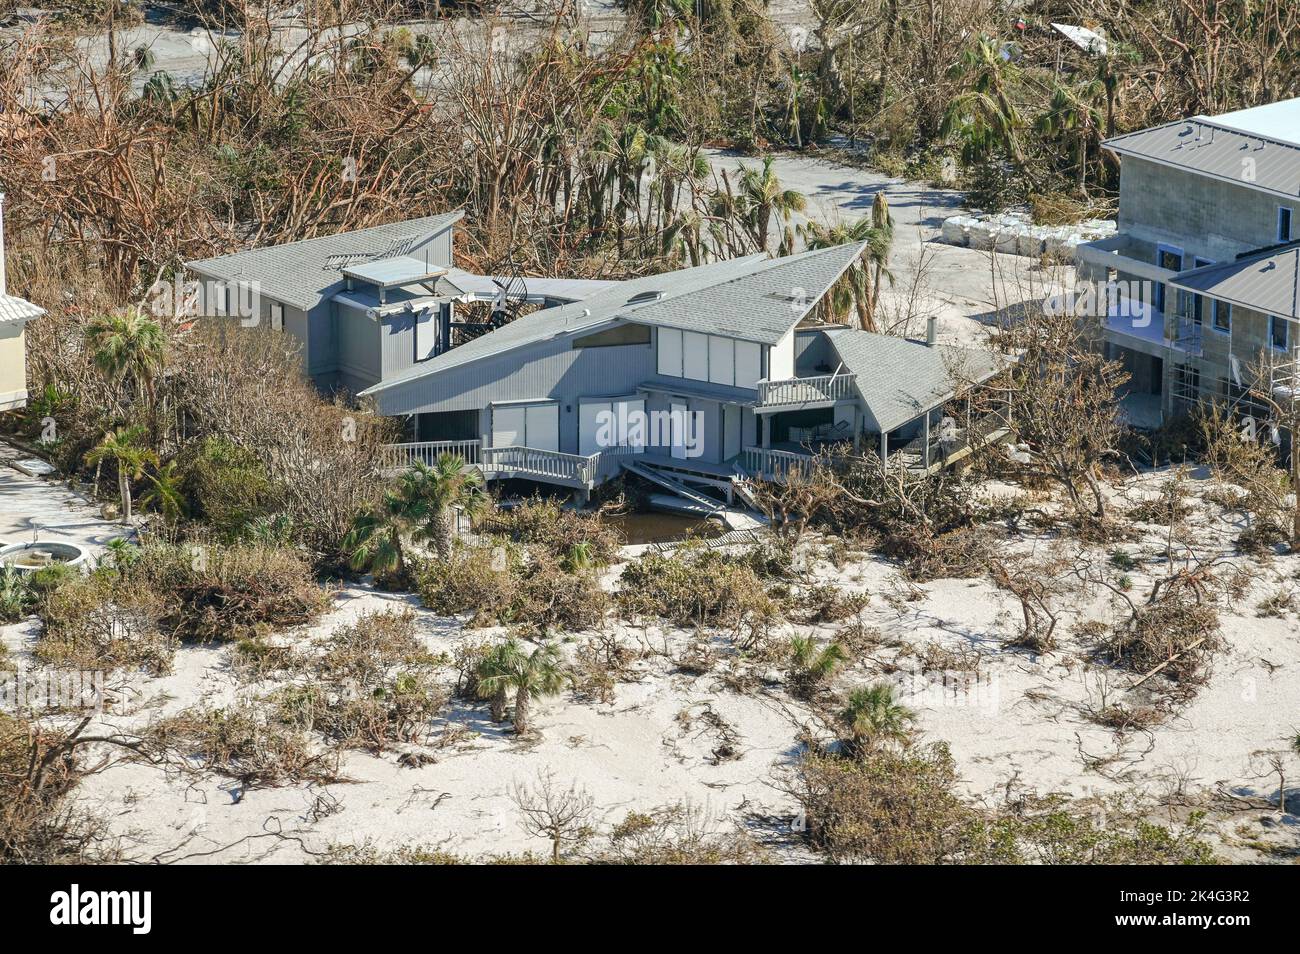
x=1201 y=284
x=693 y=379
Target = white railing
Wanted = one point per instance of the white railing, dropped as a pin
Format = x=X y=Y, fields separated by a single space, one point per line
x=826 y=387
x=774 y=464
x=546 y=464
x=426 y=452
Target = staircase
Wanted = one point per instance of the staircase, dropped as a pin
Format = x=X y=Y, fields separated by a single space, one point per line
x=673 y=485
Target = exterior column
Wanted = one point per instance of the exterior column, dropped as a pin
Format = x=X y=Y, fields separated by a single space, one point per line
x=884 y=446
x=925 y=431
x=767 y=431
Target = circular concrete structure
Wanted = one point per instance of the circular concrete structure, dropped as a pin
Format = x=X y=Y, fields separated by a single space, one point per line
x=27 y=557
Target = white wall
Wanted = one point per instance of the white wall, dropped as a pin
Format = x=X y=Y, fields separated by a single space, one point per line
x=713 y=358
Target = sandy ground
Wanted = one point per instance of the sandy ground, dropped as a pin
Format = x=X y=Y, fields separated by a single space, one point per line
x=1022 y=724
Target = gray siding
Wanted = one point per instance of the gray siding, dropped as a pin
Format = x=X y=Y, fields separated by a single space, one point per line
x=545 y=370
x=358 y=347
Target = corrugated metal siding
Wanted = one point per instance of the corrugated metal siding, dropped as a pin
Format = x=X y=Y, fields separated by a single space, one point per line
x=358 y=346
x=547 y=370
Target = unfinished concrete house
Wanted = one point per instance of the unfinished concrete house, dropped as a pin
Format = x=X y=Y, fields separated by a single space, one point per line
x=1200 y=288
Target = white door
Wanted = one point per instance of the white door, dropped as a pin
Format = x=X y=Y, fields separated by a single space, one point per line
x=508 y=423
x=730 y=431
x=526 y=425
x=679 y=420
x=542 y=426
x=632 y=424
x=591 y=415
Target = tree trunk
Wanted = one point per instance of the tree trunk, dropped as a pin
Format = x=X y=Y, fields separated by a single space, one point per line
x=523 y=698
x=124 y=488
x=499 y=700
x=443 y=533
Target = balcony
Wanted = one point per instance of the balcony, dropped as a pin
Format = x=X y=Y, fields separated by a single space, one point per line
x=821 y=391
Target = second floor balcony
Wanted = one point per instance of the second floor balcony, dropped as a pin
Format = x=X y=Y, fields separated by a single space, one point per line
x=821 y=390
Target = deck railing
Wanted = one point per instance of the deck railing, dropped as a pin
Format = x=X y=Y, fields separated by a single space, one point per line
x=826 y=387
x=545 y=464
x=398 y=456
x=772 y=464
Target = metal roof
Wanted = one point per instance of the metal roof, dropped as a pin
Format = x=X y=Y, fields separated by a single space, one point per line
x=1211 y=148
x=394 y=272
x=1266 y=281
x=753 y=298
x=17 y=309
x=307 y=272
x=900 y=379
x=562 y=289
x=1280 y=120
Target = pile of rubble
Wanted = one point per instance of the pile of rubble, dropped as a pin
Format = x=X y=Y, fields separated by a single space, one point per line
x=1014 y=233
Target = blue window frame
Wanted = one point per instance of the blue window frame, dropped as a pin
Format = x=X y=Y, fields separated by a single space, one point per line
x=1222 y=316
x=1277 y=332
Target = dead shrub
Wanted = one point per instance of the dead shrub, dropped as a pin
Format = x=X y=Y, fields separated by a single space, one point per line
x=241 y=743
x=504 y=583
x=897 y=807
x=1176 y=632
x=698 y=586
x=368 y=684
x=226 y=593
x=827 y=603
x=678 y=834
x=39 y=769
x=560 y=531
x=103 y=622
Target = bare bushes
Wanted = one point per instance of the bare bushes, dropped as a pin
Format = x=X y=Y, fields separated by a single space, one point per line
x=1175 y=635
x=229 y=592
x=369 y=684
x=103 y=622
x=497 y=582
x=699 y=586
x=934 y=525
x=241 y=743
x=570 y=536
x=245 y=387
x=897 y=807
x=679 y=834
x=39 y=767
x=900 y=807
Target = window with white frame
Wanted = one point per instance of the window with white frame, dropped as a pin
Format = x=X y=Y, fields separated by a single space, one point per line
x=1278 y=332
x=1283 y=223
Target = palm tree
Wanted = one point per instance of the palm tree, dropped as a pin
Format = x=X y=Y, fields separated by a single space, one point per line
x=860 y=285
x=812 y=665
x=123 y=447
x=872 y=716
x=419 y=506
x=983 y=116
x=128 y=344
x=446 y=485
x=762 y=195
x=165 y=494
x=542 y=673
x=494 y=675
x=1073 y=112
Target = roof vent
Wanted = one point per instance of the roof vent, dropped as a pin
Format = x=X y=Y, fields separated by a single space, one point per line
x=641 y=298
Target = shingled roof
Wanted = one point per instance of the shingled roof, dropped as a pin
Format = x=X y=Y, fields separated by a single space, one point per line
x=17 y=309
x=752 y=298
x=900 y=379
x=306 y=272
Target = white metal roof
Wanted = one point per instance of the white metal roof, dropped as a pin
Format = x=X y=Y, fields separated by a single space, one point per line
x=394 y=272
x=1280 y=120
